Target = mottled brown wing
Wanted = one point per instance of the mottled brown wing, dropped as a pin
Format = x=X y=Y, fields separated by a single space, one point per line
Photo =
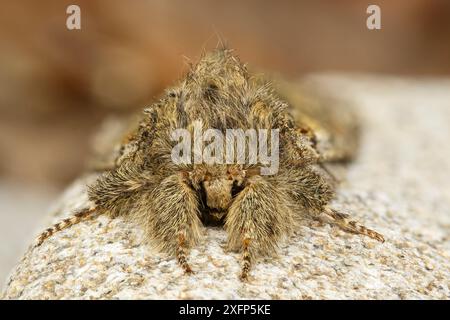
x=112 y=140
x=333 y=122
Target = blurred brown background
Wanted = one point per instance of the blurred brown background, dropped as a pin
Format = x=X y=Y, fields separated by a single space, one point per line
x=56 y=85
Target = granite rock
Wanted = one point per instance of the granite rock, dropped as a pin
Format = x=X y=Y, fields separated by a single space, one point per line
x=399 y=185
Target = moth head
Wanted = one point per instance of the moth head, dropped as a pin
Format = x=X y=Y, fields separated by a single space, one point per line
x=218 y=184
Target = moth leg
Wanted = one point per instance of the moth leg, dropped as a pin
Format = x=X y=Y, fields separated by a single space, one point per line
x=246 y=259
x=115 y=192
x=112 y=193
x=310 y=189
x=342 y=220
x=83 y=215
x=257 y=219
x=173 y=223
x=182 y=253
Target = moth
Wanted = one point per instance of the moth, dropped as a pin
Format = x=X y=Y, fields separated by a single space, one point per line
x=173 y=202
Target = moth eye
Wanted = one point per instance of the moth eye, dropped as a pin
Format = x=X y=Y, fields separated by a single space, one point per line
x=236 y=188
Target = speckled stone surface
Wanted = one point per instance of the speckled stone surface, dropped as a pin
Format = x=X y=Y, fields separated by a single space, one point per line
x=399 y=185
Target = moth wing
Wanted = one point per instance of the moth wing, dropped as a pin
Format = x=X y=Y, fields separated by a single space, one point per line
x=334 y=123
x=113 y=141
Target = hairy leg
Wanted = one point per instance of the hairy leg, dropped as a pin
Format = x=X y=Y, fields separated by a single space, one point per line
x=113 y=193
x=257 y=219
x=170 y=215
x=312 y=189
x=82 y=215
x=342 y=220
